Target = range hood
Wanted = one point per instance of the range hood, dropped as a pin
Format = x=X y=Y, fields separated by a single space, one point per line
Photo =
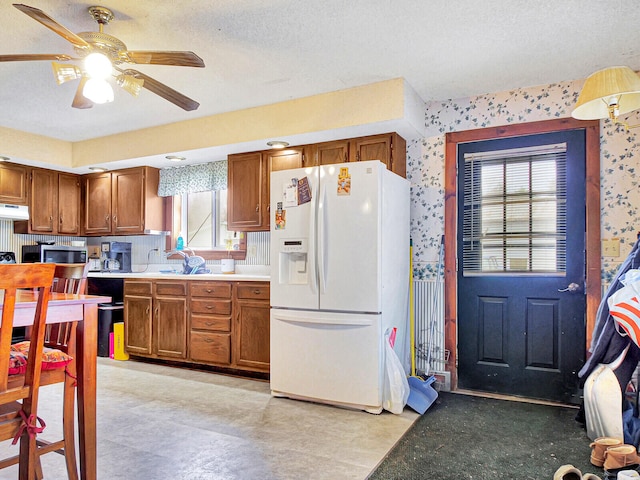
x=14 y=212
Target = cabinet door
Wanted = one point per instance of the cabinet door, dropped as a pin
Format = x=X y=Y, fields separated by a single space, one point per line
x=97 y=204
x=128 y=201
x=137 y=315
x=252 y=335
x=13 y=184
x=43 y=201
x=280 y=160
x=389 y=148
x=68 y=204
x=170 y=328
x=328 y=153
x=245 y=201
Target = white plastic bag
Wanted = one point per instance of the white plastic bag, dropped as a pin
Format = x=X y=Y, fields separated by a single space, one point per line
x=396 y=385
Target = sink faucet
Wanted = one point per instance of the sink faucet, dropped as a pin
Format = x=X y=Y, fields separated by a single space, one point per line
x=182 y=253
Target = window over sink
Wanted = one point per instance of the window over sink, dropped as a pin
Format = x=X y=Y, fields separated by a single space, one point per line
x=196 y=198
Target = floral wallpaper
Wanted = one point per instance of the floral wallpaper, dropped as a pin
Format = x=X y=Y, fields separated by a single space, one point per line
x=620 y=164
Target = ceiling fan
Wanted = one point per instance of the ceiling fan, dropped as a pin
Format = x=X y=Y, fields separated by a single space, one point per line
x=101 y=57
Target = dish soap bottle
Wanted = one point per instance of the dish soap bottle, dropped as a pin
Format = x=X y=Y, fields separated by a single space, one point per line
x=180 y=242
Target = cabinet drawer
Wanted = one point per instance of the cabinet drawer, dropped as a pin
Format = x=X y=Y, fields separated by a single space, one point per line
x=131 y=287
x=211 y=322
x=211 y=347
x=171 y=288
x=218 y=307
x=260 y=292
x=211 y=289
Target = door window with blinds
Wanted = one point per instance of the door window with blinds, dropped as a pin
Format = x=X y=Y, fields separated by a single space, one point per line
x=515 y=211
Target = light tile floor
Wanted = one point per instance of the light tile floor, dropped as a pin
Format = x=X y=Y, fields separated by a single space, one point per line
x=164 y=423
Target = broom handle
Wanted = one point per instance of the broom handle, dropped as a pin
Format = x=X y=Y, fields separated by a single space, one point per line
x=412 y=319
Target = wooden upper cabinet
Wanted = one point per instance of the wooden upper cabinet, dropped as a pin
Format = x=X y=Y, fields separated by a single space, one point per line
x=122 y=202
x=43 y=200
x=286 y=159
x=389 y=148
x=246 y=209
x=97 y=203
x=328 y=153
x=13 y=184
x=68 y=204
x=54 y=204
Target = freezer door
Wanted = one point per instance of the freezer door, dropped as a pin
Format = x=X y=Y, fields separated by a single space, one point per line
x=333 y=358
x=294 y=282
x=349 y=237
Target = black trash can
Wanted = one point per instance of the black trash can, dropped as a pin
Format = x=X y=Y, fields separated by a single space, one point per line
x=108 y=314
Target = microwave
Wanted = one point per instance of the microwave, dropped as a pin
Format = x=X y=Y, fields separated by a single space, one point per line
x=53 y=254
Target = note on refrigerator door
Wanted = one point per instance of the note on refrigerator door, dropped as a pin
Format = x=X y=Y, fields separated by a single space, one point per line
x=344 y=181
x=304 y=191
x=290 y=193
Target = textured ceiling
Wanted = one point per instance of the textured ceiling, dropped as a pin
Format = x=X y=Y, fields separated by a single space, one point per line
x=259 y=52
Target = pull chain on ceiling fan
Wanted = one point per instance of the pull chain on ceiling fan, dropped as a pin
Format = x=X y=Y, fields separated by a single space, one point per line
x=100 y=55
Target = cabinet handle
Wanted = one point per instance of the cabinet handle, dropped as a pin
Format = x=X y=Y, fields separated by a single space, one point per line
x=208 y=324
x=208 y=340
x=258 y=208
x=257 y=291
x=115 y=219
x=106 y=220
x=209 y=290
x=268 y=208
x=209 y=307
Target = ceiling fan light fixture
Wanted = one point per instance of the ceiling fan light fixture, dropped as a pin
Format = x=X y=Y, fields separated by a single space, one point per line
x=98 y=91
x=130 y=84
x=63 y=72
x=97 y=65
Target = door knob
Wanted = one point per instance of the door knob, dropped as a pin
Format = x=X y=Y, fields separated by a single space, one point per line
x=572 y=287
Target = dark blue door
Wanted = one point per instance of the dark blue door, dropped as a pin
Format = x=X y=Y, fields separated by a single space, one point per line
x=521 y=265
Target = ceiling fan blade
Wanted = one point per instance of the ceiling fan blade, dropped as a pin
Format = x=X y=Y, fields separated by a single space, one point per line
x=39 y=16
x=34 y=56
x=163 y=91
x=80 y=101
x=179 y=59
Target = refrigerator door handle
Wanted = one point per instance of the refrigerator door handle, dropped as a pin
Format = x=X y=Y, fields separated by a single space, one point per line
x=322 y=239
x=313 y=284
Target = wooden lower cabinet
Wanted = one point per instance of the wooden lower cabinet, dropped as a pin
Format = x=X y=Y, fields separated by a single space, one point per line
x=252 y=333
x=217 y=323
x=210 y=334
x=156 y=318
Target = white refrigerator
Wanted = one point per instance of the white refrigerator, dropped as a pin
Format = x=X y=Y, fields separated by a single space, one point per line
x=339 y=281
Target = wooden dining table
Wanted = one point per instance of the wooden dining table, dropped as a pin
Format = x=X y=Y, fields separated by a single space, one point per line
x=64 y=307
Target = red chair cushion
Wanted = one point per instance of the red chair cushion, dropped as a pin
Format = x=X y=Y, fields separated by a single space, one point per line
x=52 y=358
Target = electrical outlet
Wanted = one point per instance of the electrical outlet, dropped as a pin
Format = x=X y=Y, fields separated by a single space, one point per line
x=253 y=251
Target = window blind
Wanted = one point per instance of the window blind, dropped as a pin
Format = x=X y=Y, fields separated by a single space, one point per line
x=514 y=214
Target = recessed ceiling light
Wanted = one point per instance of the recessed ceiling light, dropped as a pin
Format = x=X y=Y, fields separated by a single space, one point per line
x=98 y=169
x=277 y=144
x=175 y=158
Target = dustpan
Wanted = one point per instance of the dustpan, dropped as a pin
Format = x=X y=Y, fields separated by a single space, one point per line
x=421 y=393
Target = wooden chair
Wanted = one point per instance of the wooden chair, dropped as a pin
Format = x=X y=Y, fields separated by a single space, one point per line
x=19 y=401
x=68 y=278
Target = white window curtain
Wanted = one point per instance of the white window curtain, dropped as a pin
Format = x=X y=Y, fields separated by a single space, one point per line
x=193 y=178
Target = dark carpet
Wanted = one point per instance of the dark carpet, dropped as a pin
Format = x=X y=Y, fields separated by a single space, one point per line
x=465 y=437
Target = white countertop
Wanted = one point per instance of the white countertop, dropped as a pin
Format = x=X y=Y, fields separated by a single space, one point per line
x=246 y=273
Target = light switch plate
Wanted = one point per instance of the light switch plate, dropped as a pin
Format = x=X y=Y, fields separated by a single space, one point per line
x=611 y=247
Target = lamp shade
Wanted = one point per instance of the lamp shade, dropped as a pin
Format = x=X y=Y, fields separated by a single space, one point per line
x=616 y=88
